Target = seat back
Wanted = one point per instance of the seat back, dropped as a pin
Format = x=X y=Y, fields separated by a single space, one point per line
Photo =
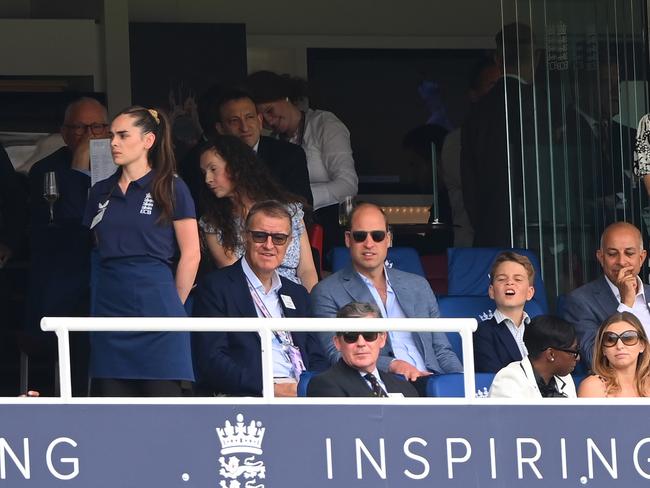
x=402 y=258
x=305 y=377
x=469 y=270
x=451 y=385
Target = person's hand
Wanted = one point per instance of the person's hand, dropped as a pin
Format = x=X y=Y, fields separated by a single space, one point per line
x=5 y=254
x=407 y=370
x=31 y=394
x=81 y=156
x=285 y=389
x=626 y=282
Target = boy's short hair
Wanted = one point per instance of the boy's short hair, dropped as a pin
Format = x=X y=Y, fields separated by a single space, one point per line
x=515 y=258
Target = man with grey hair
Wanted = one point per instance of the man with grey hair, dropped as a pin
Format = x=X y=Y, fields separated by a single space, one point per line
x=356 y=374
x=60 y=247
x=230 y=362
x=619 y=289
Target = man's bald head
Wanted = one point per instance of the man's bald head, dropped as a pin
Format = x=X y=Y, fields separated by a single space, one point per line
x=79 y=115
x=621 y=250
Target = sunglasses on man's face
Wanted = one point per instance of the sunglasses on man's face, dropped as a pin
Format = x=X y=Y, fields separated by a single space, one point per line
x=352 y=337
x=627 y=337
x=260 y=237
x=362 y=235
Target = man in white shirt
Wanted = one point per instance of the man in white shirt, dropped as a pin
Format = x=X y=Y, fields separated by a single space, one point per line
x=620 y=289
x=230 y=362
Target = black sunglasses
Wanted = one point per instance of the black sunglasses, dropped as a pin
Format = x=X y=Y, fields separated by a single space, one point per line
x=260 y=237
x=81 y=129
x=362 y=235
x=575 y=352
x=627 y=337
x=352 y=337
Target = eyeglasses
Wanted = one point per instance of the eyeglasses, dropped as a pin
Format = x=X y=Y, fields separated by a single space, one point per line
x=575 y=352
x=352 y=337
x=81 y=129
x=362 y=235
x=260 y=237
x=627 y=337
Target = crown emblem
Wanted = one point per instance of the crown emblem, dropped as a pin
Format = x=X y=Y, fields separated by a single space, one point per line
x=241 y=437
x=486 y=315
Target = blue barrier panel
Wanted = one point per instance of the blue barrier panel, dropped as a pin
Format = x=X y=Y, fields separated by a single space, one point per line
x=324 y=446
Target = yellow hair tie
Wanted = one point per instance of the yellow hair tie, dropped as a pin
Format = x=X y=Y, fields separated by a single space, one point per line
x=154 y=114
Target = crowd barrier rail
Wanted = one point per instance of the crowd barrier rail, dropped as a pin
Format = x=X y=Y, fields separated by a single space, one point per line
x=263 y=326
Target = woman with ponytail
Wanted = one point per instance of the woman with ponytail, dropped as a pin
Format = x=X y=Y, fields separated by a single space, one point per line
x=142 y=217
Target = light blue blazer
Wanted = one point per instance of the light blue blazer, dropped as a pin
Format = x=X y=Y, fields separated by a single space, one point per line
x=414 y=296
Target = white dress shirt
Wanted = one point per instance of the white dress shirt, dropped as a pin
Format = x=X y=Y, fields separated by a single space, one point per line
x=516 y=331
x=640 y=307
x=402 y=342
x=271 y=300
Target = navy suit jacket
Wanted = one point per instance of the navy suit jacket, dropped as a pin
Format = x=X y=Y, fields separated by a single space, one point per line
x=343 y=381
x=231 y=362
x=587 y=307
x=494 y=347
x=288 y=164
x=414 y=296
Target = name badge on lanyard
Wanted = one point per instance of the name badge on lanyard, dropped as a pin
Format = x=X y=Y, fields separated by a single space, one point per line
x=100 y=213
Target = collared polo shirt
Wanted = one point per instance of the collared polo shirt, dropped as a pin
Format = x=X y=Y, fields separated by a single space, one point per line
x=131 y=225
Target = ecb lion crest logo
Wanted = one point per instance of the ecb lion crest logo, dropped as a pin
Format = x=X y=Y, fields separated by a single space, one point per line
x=241 y=441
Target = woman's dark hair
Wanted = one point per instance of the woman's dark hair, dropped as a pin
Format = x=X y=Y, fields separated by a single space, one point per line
x=249 y=177
x=546 y=331
x=267 y=86
x=160 y=156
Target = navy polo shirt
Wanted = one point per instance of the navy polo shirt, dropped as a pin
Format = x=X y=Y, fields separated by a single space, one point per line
x=130 y=225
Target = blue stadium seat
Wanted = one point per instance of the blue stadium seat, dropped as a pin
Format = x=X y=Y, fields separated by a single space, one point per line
x=451 y=385
x=478 y=307
x=402 y=258
x=305 y=377
x=468 y=270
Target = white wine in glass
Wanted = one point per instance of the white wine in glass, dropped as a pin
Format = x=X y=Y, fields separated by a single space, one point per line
x=50 y=192
x=345 y=208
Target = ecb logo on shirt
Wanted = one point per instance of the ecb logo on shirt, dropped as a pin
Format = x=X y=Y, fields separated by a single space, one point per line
x=147 y=205
x=241 y=439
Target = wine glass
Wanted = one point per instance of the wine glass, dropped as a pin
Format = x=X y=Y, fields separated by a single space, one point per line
x=50 y=192
x=345 y=208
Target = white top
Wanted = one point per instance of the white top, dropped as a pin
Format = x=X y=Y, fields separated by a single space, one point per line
x=517 y=380
x=640 y=307
x=326 y=142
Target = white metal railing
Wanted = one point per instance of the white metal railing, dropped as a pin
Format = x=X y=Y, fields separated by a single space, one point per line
x=265 y=327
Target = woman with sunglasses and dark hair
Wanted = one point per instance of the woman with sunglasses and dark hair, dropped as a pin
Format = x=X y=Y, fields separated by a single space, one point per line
x=235 y=180
x=546 y=372
x=621 y=367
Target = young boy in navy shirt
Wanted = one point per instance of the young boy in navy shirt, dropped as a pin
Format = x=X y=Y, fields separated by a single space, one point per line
x=500 y=340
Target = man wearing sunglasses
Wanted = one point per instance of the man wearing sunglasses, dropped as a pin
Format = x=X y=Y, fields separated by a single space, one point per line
x=620 y=289
x=230 y=362
x=396 y=293
x=356 y=374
